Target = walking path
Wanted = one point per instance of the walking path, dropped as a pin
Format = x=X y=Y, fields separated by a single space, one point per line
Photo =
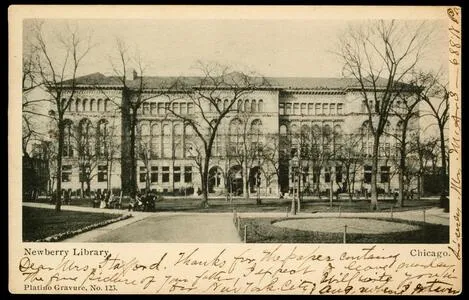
x=187 y=227
x=164 y=227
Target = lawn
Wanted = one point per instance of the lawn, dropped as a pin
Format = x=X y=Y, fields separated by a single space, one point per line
x=40 y=223
x=262 y=230
x=191 y=204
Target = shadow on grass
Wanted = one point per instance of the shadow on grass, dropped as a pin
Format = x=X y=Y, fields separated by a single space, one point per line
x=39 y=223
x=262 y=230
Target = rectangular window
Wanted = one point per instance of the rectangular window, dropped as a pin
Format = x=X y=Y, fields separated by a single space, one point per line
x=332 y=109
x=161 y=108
x=367 y=174
x=303 y=109
x=182 y=109
x=325 y=109
x=318 y=109
x=281 y=108
x=154 y=174
x=143 y=174
x=66 y=173
x=327 y=175
x=153 y=108
x=102 y=173
x=166 y=107
x=296 y=108
x=338 y=173
x=165 y=174
x=176 y=107
x=190 y=108
x=339 y=108
x=288 y=109
x=310 y=109
x=385 y=174
x=177 y=174
x=188 y=174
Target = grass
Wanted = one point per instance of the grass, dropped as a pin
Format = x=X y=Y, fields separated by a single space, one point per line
x=40 y=223
x=261 y=230
x=191 y=204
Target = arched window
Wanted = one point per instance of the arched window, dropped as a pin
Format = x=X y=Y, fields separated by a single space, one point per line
x=100 y=104
x=283 y=130
x=155 y=140
x=68 y=139
x=246 y=105
x=144 y=141
x=92 y=104
x=253 y=105
x=367 y=138
x=226 y=104
x=167 y=146
x=177 y=138
x=85 y=137
x=240 y=105
x=338 y=135
x=219 y=104
x=77 y=105
x=104 y=138
x=106 y=104
x=256 y=135
x=260 y=106
x=85 y=104
x=188 y=141
x=235 y=133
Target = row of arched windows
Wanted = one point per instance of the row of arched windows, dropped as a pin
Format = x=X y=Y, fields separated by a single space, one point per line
x=87 y=105
x=82 y=139
x=250 y=105
x=166 y=140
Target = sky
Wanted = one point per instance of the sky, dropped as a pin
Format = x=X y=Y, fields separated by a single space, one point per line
x=286 y=48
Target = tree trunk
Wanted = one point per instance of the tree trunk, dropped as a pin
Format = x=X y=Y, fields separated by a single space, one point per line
x=374 y=173
x=444 y=182
x=133 y=161
x=109 y=173
x=402 y=166
x=58 y=202
x=204 y=181
x=245 y=180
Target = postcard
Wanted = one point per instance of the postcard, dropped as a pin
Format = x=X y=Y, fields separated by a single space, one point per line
x=308 y=150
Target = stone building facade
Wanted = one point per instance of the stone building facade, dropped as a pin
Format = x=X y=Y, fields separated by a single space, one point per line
x=291 y=114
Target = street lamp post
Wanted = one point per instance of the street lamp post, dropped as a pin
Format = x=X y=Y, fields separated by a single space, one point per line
x=294 y=164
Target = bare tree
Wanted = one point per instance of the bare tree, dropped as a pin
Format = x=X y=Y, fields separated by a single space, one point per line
x=405 y=109
x=217 y=84
x=379 y=55
x=134 y=95
x=435 y=93
x=57 y=72
x=349 y=156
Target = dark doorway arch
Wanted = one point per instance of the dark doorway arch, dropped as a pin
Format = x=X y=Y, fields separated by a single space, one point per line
x=235 y=180
x=255 y=179
x=215 y=179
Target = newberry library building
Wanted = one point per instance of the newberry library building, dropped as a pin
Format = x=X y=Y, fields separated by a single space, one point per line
x=309 y=134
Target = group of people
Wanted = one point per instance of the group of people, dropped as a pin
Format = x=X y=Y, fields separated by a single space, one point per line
x=106 y=200
x=139 y=202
